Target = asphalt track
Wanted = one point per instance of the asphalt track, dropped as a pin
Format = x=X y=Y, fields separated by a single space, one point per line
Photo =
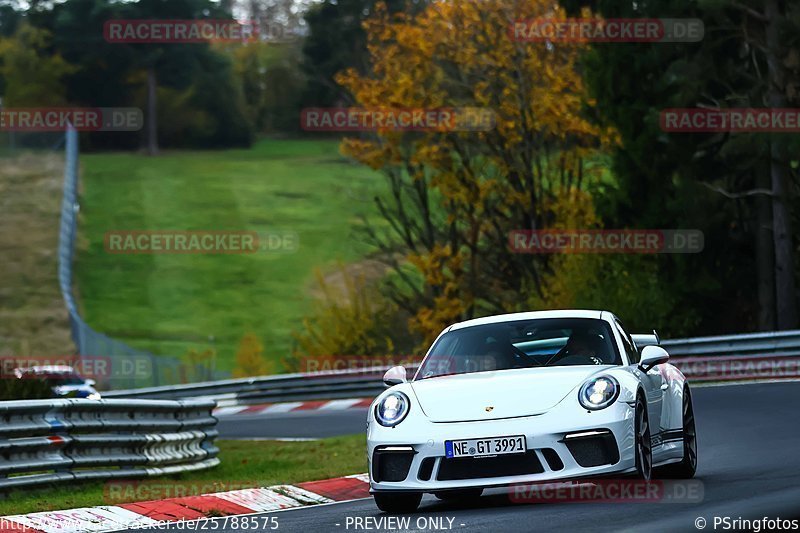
x=294 y=424
x=749 y=461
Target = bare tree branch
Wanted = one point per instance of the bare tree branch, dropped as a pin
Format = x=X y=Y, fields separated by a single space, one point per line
x=761 y=17
x=737 y=195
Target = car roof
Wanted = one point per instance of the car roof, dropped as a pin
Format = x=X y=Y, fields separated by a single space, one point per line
x=48 y=369
x=530 y=315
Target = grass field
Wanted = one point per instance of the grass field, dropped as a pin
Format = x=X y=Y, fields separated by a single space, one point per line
x=169 y=304
x=244 y=464
x=33 y=319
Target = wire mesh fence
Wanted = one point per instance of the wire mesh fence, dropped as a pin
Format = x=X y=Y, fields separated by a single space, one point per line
x=124 y=366
x=13 y=143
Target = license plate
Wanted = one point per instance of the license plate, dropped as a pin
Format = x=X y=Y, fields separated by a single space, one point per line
x=484 y=447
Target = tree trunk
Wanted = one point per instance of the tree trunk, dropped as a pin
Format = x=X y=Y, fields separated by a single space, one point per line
x=152 y=113
x=785 y=292
x=765 y=254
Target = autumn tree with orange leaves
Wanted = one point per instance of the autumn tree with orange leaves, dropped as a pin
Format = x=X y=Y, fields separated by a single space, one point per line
x=455 y=195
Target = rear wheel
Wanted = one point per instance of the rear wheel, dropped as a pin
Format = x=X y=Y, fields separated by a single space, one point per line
x=644 y=446
x=402 y=502
x=688 y=465
x=459 y=495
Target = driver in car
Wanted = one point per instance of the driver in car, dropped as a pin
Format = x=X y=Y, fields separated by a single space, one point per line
x=585 y=345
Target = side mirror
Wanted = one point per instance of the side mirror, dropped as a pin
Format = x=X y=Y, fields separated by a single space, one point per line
x=90 y=382
x=652 y=356
x=395 y=376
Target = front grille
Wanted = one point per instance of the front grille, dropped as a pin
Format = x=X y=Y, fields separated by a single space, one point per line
x=391 y=466
x=594 y=451
x=426 y=469
x=483 y=467
x=552 y=458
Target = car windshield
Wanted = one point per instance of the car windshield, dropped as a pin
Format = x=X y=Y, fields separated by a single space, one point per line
x=63 y=379
x=522 y=344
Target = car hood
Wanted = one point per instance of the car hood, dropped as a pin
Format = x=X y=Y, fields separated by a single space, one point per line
x=509 y=393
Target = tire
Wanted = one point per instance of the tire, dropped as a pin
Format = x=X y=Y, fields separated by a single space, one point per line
x=688 y=465
x=459 y=495
x=644 y=445
x=402 y=502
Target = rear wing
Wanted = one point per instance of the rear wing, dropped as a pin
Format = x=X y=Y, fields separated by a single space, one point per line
x=646 y=339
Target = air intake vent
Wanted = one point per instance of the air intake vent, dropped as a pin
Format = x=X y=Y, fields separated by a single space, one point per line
x=553 y=460
x=593 y=449
x=484 y=467
x=426 y=469
x=391 y=465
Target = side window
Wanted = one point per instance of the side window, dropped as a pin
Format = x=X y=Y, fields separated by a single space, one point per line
x=630 y=349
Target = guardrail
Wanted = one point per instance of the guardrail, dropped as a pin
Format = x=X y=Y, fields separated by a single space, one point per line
x=701 y=359
x=773 y=342
x=58 y=441
x=356 y=383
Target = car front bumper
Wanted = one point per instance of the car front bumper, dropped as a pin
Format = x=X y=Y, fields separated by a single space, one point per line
x=545 y=434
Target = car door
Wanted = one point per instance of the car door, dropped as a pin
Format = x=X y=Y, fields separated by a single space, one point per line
x=652 y=382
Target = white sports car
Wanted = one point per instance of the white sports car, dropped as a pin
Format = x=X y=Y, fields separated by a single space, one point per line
x=529 y=397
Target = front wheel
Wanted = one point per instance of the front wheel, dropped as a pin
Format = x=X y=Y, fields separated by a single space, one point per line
x=401 y=502
x=644 y=446
x=688 y=465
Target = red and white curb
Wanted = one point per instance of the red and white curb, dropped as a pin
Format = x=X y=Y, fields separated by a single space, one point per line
x=158 y=512
x=286 y=407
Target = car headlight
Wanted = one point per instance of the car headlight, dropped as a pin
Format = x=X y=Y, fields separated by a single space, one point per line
x=599 y=393
x=392 y=409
